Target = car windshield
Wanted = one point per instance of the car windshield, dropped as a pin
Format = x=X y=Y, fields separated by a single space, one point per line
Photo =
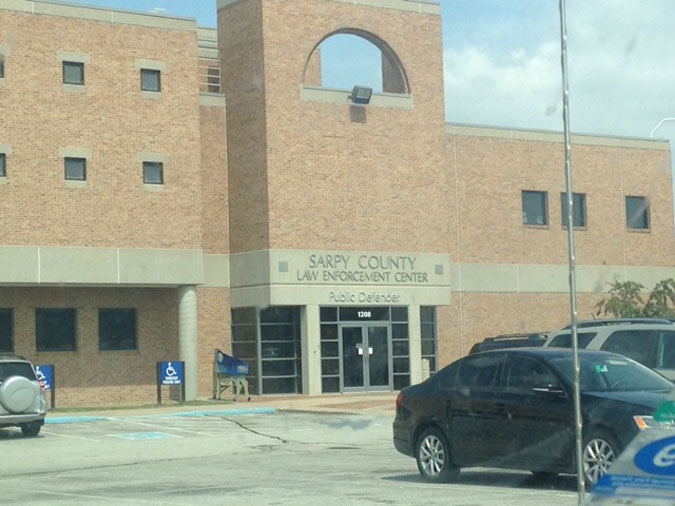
x=610 y=374
x=8 y=369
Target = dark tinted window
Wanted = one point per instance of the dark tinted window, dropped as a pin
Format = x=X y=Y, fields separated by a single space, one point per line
x=479 y=371
x=3 y=162
x=635 y=344
x=150 y=80
x=602 y=374
x=55 y=329
x=73 y=72
x=666 y=354
x=116 y=329
x=523 y=374
x=535 y=208
x=637 y=213
x=6 y=330
x=8 y=369
x=565 y=340
x=153 y=172
x=578 y=209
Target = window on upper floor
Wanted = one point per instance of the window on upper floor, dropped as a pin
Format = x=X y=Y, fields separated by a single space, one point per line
x=73 y=72
x=2 y=66
x=3 y=165
x=535 y=208
x=150 y=80
x=153 y=172
x=76 y=169
x=55 y=329
x=578 y=209
x=637 y=213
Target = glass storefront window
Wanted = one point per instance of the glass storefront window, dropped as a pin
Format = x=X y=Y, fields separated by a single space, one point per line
x=280 y=350
x=428 y=330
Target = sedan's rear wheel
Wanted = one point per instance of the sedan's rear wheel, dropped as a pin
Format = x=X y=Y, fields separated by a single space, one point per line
x=599 y=452
x=433 y=457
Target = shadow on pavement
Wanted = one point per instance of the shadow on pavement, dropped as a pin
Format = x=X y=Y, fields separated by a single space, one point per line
x=489 y=478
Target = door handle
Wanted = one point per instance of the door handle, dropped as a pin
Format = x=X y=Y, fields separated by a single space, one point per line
x=359 y=349
x=370 y=351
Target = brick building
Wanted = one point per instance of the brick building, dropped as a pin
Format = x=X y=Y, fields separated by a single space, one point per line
x=166 y=189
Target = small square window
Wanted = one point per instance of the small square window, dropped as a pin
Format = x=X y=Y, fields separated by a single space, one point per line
x=116 y=329
x=55 y=329
x=3 y=165
x=73 y=72
x=578 y=209
x=535 y=208
x=150 y=80
x=637 y=213
x=153 y=172
x=2 y=67
x=76 y=169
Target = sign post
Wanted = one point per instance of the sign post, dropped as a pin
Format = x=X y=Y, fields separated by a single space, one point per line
x=170 y=373
x=46 y=375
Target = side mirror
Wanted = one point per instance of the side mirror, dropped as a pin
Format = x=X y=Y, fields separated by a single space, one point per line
x=553 y=390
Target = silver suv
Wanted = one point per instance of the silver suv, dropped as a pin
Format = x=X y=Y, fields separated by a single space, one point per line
x=650 y=343
x=22 y=399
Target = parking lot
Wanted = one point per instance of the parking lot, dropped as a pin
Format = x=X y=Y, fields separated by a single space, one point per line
x=273 y=458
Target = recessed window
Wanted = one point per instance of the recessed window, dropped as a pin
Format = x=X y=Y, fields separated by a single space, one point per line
x=76 y=169
x=578 y=209
x=73 y=72
x=3 y=165
x=153 y=172
x=2 y=67
x=6 y=330
x=55 y=329
x=116 y=329
x=535 y=208
x=150 y=80
x=637 y=213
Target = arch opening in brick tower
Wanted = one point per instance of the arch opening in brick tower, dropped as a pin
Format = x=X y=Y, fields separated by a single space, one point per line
x=350 y=57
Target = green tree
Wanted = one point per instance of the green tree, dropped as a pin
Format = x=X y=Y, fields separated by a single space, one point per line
x=625 y=300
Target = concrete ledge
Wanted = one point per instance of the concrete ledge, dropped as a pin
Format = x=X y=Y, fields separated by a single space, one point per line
x=152 y=95
x=341 y=97
x=550 y=136
x=72 y=56
x=72 y=183
x=4 y=49
x=212 y=100
x=102 y=14
x=6 y=149
x=422 y=7
x=216 y=271
x=141 y=63
x=73 y=88
x=3 y=180
x=74 y=153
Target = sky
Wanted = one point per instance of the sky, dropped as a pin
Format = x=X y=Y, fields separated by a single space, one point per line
x=502 y=61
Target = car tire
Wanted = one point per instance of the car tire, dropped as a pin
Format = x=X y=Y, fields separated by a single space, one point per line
x=31 y=429
x=432 y=453
x=599 y=451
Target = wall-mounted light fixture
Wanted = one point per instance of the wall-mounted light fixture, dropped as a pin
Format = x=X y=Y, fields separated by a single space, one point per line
x=361 y=94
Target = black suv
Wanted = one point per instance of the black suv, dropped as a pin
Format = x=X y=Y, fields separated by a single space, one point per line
x=22 y=399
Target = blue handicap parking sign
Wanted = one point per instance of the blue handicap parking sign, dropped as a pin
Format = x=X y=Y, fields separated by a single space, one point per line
x=45 y=375
x=171 y=373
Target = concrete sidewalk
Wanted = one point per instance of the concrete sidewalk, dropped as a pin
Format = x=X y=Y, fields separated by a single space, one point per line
x=380 y=403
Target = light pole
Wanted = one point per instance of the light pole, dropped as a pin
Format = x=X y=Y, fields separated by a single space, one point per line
x=651 y=134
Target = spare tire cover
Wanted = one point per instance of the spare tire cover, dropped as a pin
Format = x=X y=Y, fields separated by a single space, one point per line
x=17 y=394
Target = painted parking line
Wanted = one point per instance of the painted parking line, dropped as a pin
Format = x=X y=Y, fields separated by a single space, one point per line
x=156 y=426
x=68 y=436
x=207 y=412
x=141 y=436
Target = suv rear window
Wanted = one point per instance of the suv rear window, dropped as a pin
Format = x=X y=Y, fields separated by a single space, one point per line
x=565 y=340
x=635 y=344
x=8 y=369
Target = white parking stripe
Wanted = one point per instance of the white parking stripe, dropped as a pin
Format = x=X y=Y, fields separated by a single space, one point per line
x=69 y=436
x=155 y=426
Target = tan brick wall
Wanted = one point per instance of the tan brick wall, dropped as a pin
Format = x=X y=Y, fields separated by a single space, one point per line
x=214 y=332
x=240 y=44
x=214 y=181
x=490 y=175
x=113 y=121
x=87 y=376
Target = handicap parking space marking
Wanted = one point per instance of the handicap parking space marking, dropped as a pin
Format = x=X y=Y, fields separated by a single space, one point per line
x=143 y=436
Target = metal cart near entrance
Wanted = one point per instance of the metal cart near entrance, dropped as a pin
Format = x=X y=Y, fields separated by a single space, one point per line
x=229 y=372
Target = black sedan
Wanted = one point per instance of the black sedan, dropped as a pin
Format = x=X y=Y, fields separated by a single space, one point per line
x=514 y=409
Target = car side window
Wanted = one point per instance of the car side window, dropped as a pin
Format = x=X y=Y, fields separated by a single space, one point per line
x=666 y=352
x=523 y=374
x=447 y=377
x=635 y=344
x=565 y=340
x=480 y=371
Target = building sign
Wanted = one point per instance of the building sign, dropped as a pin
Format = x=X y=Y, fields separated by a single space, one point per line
x=364 y=269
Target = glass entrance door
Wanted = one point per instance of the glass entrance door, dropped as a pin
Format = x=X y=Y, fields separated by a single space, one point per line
x=365 y=357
